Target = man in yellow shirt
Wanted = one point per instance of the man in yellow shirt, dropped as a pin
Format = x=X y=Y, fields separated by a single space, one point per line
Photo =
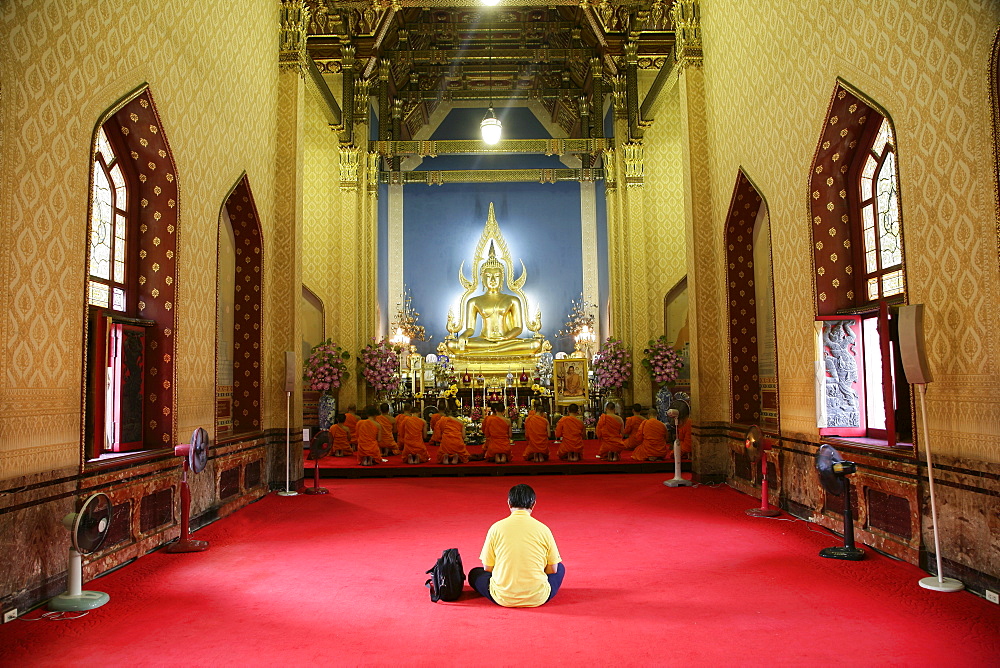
x=521 y=563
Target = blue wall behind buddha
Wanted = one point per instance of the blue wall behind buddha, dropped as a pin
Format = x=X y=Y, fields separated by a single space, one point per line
x=541 y=223
x=442 y=225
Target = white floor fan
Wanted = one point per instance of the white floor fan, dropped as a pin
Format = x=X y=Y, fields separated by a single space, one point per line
x=679 y=410
x=88 y=528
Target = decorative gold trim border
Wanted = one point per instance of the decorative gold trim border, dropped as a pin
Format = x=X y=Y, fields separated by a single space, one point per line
x=433 y=149
x=436 y=178
x=994 y=86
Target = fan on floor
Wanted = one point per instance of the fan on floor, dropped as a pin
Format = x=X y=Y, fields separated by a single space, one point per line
x=87 y=529
x=319 y=447
x=756 y=446
x=679 y=410
x=195 y=456
x=833 y=471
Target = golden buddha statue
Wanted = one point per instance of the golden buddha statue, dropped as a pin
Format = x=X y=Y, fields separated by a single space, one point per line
x=498 y=316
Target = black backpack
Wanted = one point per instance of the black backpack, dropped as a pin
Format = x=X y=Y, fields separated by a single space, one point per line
x=446 y=577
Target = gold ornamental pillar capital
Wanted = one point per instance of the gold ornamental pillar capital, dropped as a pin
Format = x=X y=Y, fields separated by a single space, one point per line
x=686 y=15
x=294 y=21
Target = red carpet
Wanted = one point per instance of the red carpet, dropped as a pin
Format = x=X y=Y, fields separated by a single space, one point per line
x=655 y=576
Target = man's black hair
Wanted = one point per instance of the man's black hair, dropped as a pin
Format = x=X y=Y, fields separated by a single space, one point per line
x=341 y=418
x=521 y=496
x=573 y=408
x=496 y=406
x=371 y=411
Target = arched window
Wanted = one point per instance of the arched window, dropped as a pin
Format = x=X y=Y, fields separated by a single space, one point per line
x=109 y=238
x=859 y=258
x=881 y=247
x=131 y=283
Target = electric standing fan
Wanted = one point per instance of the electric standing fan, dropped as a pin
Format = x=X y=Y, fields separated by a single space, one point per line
x=679 y=410
x=833 y=471
x=195 y=456
x=756 y=448
x=319 y=447
x=87 y=529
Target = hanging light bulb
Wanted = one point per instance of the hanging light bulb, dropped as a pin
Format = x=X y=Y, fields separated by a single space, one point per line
x=491 y=128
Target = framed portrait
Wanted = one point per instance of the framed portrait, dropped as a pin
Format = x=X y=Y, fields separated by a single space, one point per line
x=570 y=380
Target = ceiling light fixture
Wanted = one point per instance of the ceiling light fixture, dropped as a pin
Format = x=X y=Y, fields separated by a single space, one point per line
x=490 y=126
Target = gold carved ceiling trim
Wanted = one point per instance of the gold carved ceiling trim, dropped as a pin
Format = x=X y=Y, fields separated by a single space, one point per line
x=433 y=178
x=433 y=149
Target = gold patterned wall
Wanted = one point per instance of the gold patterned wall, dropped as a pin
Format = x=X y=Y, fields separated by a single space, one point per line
x=328 y=247
x=648 y=239
x=767 y=93
x=62 y=66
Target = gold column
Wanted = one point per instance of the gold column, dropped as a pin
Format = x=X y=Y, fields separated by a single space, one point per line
x=283 y=247
x=706 y=271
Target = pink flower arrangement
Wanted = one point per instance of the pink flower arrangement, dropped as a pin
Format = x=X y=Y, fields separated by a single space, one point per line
x=612 y=365
x=662 y=361
x=326 y=367
x=379 y=365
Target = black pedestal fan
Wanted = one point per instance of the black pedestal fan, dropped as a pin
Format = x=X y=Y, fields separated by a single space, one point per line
x=319 y=447
x=833 y=471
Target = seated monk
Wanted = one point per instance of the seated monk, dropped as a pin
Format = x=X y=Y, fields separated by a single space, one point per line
x=496 y=429
x=435 y=418
x=340 y=436
x=386 y=441
x=412 y=434
x=369 y=432
x=654 y=441
x=684 y=436
x=452 y=439
x=352 y=425
x=536 y=432
x=610 y=429
x=570 y=430
x=632 y=428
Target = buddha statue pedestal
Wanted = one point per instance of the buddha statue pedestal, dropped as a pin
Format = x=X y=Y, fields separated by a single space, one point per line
x=496 y=363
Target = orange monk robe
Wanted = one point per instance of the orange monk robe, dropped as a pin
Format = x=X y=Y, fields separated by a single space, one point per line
x=368 y=433
x=351 y=420
x=536 y=431
x=386 y=440
x=684 y=436
x=435 y=432
x=654 y=440
x=411 y=436
x=609 y=434
x=452 y=442
x=633 y=431
x=571 y=430
x=496 y=429
x=340 y=436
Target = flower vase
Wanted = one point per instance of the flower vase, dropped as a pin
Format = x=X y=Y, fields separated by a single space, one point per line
x=664 y=397
x=327 y=410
